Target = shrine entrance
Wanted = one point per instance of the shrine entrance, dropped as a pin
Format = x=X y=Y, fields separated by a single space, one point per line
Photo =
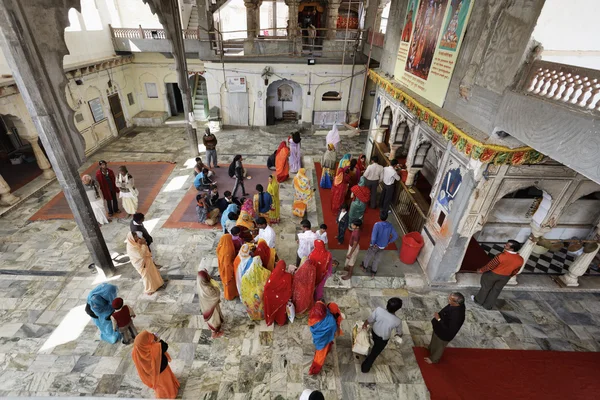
x=284 y=102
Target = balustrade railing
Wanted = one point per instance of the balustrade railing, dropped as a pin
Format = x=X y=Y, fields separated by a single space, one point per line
x=567 y=84
x=376 y=38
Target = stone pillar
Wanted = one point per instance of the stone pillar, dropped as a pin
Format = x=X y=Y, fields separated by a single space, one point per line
x=6 y=198
x=292 y=17
x=32 y=40
x=41 y=159
x=251 y=18
x=578 y=268
x=170 y=18
x=410 y=177
x=537 y=232
x=333 y=8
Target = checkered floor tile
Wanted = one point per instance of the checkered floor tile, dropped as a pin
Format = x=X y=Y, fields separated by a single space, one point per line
x=552 y=263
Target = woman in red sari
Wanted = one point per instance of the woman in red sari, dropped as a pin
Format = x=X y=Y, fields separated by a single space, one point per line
x=339 y=190
x=282 y=164
x=323 y=263
x=303 y=288
x=267 y=255
x=362 y=164
x=278 y=290
x=353 y=178
x=324 y=321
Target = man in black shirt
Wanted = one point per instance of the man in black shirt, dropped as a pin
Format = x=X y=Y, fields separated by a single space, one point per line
x=137 y=228
x=446 y=325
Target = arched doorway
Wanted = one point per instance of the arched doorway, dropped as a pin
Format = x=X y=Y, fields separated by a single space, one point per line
x=386 y=126
x=510 y=218
x=284 y=102
x=18 y=165
x=401 y=142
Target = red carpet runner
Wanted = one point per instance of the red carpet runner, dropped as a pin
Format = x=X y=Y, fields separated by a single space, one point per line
x=511 y=374
x=149 y=178
x=370 y=218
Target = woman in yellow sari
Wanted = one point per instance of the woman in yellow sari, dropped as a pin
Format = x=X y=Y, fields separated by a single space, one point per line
x=141 y=259
x=273 y=190
x=302 y=193
x=253 y=288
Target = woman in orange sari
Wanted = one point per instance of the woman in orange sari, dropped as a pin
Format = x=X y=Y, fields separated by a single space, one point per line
x=152 y=363
x=282 y=164
x=278 y=290
x=303 y=289
x=226 y=256
x=267 y=255
x=324 y=321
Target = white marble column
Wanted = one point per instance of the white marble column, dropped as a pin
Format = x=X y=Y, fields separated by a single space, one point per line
x=410 y=177
x=537 y=233
x=41 y=159
x=6 y=198
x=251 y=19
x=578 y=268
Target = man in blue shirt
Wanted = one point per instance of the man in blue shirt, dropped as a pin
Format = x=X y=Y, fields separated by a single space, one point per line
x=383 y=234
x=202 y=181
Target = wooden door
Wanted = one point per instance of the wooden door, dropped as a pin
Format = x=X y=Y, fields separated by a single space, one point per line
x=117 y=112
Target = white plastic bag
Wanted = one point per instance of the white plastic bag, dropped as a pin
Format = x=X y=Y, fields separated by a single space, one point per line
x=290 y=310
x=360 y=340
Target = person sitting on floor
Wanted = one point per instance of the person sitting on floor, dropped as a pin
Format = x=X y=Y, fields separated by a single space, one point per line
x=202 y=182
x=227 y=200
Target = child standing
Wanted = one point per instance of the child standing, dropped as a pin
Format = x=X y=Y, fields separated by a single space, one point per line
x=342 y=221
x=353 y=249
x=322 y=233
x=122 y=320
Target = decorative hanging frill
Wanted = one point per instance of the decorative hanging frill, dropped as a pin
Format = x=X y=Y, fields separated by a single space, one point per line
x=486 y=153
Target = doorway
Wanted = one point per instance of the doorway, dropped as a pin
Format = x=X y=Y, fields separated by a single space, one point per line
x=18 y=165
x=175 y=99
x=117 y=112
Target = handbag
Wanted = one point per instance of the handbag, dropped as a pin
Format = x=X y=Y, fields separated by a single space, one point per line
x=361 y=343
x=299 y=208
x=290 y=310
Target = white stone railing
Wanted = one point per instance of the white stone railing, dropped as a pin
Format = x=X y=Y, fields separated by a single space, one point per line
x=573 y=86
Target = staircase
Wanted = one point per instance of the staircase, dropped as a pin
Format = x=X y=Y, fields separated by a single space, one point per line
x=193 y=21
x=201 y=102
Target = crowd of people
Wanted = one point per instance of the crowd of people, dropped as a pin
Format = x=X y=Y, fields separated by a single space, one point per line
x=249 y=268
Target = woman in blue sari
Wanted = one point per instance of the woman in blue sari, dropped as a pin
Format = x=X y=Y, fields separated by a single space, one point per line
x=232 y=208
x=99 y=301
x=324 y=321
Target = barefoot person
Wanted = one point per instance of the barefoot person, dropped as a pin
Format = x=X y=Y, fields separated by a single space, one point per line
x=96 y=199
x=324 y=321
x=209 y=297
x=353 y=249
x=108 y=184
x=446 y=325
x=141 y=259
x=152 y=363
x=383 y=234
x=127 y=191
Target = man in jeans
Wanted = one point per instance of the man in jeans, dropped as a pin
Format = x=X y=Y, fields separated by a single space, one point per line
x=383 y=234
x=210 y=142
x=383 y=323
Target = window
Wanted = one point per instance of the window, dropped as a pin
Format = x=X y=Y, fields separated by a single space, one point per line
x=384 y=18
x=151 y=90
x=130 y=99
x=96 y=109
x=331 y=96
x=441 y=219
x=273 y=14
x=79 y=118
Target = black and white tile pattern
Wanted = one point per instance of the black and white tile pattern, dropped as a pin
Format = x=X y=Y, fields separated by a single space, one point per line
x=552 y=263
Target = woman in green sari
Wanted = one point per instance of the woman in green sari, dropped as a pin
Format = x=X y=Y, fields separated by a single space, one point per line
x=360 y=197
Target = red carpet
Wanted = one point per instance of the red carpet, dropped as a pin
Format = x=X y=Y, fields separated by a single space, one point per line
x=185 y=216
x=511 y=374
x=475 y=257
x=370 y=218
x=149 y=179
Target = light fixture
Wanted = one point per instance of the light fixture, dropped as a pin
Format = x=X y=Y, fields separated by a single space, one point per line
x=311 y=61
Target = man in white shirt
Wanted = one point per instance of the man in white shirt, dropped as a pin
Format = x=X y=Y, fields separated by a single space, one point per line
x=383 y=323
x=390 y=176
x=373 y=175
x=306 y=241
x=265 y=232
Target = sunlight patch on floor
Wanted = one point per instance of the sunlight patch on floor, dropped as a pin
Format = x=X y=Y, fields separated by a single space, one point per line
x=69 y=328
x=176 y=183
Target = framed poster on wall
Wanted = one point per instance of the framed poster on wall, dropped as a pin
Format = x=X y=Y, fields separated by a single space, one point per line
x=236 y=84
x=328 y=118
x=429 y=44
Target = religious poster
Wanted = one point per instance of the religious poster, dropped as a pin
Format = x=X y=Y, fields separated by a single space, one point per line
x=236 y=84
x=430 y=41
x=449 y=188
x=285 y=93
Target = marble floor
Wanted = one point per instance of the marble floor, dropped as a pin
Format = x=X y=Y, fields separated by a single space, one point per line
x=48 y=347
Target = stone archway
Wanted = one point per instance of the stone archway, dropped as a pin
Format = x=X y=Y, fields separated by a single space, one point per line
x=283 y=96
x=387 y=120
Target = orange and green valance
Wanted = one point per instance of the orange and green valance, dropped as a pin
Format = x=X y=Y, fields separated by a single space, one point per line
x=486 y=153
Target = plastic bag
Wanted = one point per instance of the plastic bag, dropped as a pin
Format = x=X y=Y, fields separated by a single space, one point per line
x=360 y=340
x=290 y=310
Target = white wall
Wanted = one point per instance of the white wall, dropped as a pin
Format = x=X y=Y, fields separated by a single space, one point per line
x=569 y=31
x=133 y=13
x=294 y=105
x=322 y=78
x=508 y=220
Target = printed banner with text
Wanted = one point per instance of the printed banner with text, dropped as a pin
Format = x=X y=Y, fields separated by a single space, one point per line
x=431 y=38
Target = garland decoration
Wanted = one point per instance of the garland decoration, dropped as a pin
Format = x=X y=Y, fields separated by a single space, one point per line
x=486 y=153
